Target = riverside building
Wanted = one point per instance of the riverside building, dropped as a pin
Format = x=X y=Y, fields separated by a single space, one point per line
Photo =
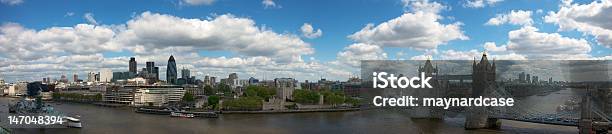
x=156 y=95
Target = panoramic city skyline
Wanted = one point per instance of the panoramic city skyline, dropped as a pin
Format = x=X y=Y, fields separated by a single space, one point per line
x=275 y=38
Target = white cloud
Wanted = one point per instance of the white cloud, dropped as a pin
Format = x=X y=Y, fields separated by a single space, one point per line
x=421 y=57
x=511 y=56
x=593 y=18
x=68 y=14
x=197 y=2
x=423 y=6
x=480 y=3
x=11 y=2
x=420 y=30
x=459 y=55
x=354 y=53
x=537 y=45
x=28 y=54
x=150 y=31
x=490 y=46
x=90 y=18
x=21 y=43
x=269 y=4
x=234 y=62
x=309 y=32
x=539 y=11
x=519 y=17
x=469 y=55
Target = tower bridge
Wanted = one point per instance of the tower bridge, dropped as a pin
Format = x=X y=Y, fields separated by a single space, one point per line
x=590 y=118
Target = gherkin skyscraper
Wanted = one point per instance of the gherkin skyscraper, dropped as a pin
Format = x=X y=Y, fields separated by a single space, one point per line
x=171 y=71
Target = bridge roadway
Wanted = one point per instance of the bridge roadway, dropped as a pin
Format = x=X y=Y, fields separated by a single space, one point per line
x=553 y=121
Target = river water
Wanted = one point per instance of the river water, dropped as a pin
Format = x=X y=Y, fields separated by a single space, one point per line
x=123 y=120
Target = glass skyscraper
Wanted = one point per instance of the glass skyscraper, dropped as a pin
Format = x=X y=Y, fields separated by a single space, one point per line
x=171 y=71
x=133 y=65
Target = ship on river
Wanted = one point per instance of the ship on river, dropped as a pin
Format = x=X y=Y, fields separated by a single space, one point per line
x=35 y=107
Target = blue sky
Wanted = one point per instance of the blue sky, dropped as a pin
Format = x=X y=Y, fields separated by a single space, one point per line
x=337 y=19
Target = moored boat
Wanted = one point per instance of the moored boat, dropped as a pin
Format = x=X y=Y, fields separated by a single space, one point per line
x=71 y=122
x=184 y=115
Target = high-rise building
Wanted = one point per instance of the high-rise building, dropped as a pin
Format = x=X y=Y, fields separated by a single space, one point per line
x=535 y=80
x=151 y=72
x=150 y=66
x=185 y=73
x=133 y=65
x=522 y=77
x=64 y=79
x=75 y=78
x=528 y=79
x=207 y=80
x=91 y=77
x=106 y=75
x=171 y=73
x=156 y=73
x=213 y=80
x=550 y=80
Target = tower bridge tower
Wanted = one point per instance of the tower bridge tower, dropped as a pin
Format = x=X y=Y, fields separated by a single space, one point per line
x=483 y=82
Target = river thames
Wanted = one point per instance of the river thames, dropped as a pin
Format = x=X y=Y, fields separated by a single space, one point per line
x=123 y=120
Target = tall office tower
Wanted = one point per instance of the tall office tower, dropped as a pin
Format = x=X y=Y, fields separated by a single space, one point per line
x=133 y=65
x=171 y=71
x=150 y=66
x=521 y=77
x=91 y=77
x=156 y=73
x=213 y=80
x=550 y=80
x=106 y=75
x=75 y=78
x=64 y=79
x=207 y=80
x=528 y=79
x=185 y=73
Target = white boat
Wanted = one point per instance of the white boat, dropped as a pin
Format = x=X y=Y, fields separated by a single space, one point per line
x=184 y=115
x=71 y=122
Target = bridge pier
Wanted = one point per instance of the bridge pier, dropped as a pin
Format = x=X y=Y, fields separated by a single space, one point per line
x=478 y=121
x=585 y=126
x=493 y=123
x=476 y=118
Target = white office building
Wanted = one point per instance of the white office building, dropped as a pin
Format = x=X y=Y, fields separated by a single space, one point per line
x=106 y=75
x=157 y=95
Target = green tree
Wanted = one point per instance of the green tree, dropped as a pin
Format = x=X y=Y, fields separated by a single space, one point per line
x=306 y=96
x=208 y=90
x=56 y=96
x=259 y=91
x=243 y=103
x=225 y=89
x=333 y=98
x=250 y=91
x=213 y=101
x=98 y=97
x=188 y=97
x=352 y=101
